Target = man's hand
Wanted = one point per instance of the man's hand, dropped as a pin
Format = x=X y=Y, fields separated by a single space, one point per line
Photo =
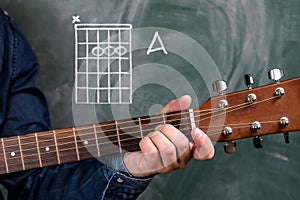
x=167 y=149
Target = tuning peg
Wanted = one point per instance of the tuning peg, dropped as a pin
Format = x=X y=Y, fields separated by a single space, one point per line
x=258 y=142
x=230 y=147
x=286 y=137
x=248 y=80
x=276 y=74
x=219 y=86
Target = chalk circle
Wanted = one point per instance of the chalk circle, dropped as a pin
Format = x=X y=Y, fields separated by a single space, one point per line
x=121 y=50
x=109 y=51
x=97 y=51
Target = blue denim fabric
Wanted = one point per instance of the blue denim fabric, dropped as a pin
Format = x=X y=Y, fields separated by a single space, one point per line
x=23 y=109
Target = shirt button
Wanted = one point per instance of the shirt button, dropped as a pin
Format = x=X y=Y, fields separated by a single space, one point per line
x=5 y=13
x=120 y=180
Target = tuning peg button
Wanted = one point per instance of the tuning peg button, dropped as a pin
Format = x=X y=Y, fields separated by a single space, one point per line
x=286 y=137
x=255 y=127
x=219 y=86
x=248 y=80
x=230 y=147
x=276 y=74
x=258 y=142
x=284 y=122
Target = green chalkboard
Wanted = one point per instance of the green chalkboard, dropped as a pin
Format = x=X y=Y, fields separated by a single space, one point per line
x=205 y=40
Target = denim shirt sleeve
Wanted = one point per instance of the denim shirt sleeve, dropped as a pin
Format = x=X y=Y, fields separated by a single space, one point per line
x=23 y=109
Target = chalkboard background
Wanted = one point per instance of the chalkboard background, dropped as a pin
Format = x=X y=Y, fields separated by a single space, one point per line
x=241 y=36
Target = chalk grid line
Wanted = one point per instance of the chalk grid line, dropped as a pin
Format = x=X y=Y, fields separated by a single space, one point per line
x=103 y=64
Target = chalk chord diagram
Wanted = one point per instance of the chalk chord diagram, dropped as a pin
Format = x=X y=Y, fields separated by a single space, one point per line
x=103 y=64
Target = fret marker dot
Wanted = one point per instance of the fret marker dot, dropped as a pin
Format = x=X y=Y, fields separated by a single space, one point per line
x=85 y=142
x=47 y=149
x=12 y=154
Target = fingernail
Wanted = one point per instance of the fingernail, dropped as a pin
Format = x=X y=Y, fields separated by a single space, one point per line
x=182 y=103
x=151 y=134
x=198 y=133
x=176 y=106
x=157 y=128
x=185 y=96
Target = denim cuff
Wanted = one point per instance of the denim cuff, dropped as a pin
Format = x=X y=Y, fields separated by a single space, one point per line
x=115 y=162
x=123 y=186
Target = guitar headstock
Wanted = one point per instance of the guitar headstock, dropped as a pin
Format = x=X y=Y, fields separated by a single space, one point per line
x=253 y=113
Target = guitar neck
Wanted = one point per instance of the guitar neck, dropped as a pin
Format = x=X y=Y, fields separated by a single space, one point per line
x=67 y=145
x=275 y=109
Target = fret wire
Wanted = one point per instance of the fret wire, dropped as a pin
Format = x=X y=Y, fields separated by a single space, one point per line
x=4 y=153
x=60 y=144
x=108 y=142
x=45 y=159
x=141 y=130
x=98 y=151
x=128 y=139
x=57 y=152
x=239 y=125
x=21 y=154
x=131 y=144
x=135 y=144
x=119 y=142
x=164 y=117
x=76 y=146
x=48 y=152
x=38 y=149
x=45 y=153
x=66 y=131
x=153 y=123
x=63 y=150
x=63 y=157
x=126 y=145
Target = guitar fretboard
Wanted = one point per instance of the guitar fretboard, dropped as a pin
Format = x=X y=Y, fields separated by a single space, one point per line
x=53 y=147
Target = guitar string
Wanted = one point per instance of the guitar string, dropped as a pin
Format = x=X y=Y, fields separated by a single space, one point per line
x=240 y=125
x=157 y=123
x=117 y=150
x=85 y=147
x=234 y=126
x=124 y=146
x=172 y=114
x=72 y=142
x=200 y=120
x=157 y=116
x=86 y=127
x=89 y=133
x=62 y=157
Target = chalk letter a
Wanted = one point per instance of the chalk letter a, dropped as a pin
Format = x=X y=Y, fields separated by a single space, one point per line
x=162 y=47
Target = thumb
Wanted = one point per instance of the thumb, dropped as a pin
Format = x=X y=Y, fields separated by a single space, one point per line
x=202 y=147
